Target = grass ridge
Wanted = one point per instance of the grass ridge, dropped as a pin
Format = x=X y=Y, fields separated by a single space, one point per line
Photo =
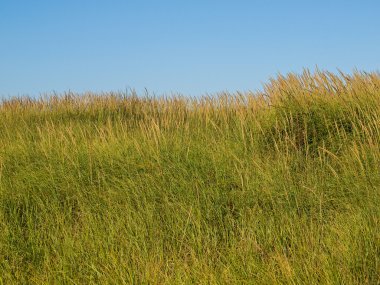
x=279 y=186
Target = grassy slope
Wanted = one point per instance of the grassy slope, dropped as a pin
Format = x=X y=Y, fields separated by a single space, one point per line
x=281 y=187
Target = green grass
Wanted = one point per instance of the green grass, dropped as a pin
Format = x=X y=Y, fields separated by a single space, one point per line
x=277 y=187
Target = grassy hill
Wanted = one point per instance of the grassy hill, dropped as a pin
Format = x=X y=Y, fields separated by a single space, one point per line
x=277 y=187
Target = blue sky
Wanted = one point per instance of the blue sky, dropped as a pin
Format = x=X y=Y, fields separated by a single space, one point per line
x=192 y=47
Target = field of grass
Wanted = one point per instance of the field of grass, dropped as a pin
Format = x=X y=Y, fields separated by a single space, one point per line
x=274 y=187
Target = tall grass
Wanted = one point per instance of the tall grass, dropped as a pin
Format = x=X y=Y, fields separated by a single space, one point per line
x=277 y=187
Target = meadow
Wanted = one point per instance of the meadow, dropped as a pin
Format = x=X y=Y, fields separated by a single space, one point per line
x=279 y=186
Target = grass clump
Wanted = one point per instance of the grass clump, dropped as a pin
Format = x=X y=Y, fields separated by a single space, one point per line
x=277 y=187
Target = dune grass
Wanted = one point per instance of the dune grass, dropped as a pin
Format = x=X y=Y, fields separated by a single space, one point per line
x=273 y=187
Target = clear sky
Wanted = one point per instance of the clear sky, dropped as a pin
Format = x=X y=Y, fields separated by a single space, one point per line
x=192 y=47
